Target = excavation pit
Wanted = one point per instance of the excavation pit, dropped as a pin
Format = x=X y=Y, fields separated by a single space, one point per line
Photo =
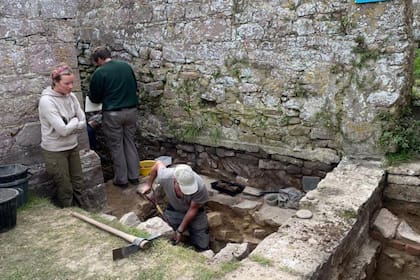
x=233 y=218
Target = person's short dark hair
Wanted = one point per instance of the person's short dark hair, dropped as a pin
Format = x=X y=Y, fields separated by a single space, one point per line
x=100 y=53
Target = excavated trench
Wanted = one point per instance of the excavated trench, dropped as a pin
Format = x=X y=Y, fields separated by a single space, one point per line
x=248 y=219
x=232 y=219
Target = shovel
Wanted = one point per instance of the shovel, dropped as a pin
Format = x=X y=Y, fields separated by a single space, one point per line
x=137 y=243
x=154 y=203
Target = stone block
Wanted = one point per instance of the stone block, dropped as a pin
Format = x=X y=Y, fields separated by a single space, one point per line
x=272 y=216
x=310 y=182
x=232 y=252
x=130 y=219
x=215 y=219
x=155 y=225
x=407 y=193
x=260 y=233
x=403 y=180
x=410 y=169
x=29 y=135
x=407 y=234
x=95 y=198
x=386 y=223
x=246 y=207
x=271 y=164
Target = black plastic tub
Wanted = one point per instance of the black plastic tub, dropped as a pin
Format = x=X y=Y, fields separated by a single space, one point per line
x=8 y=208
x=12 y=172
x=227 y=187
x=15 y=176
x=21 y=185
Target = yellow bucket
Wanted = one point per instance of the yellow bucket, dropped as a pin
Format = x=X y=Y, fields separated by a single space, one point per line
x=146 y=167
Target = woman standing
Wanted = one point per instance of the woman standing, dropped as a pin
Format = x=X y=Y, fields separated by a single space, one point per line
x=61 y=119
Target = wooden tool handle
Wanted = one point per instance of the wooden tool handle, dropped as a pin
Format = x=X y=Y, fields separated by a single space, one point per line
x=128 y=237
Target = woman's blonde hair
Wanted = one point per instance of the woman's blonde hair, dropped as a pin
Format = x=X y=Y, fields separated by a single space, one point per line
x=60 y=70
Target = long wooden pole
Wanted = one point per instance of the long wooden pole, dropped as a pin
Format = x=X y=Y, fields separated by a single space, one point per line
x=142 y=243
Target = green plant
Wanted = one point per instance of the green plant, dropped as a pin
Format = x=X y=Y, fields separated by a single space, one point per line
x=347 y=214
x=416 y=65
x=190 y=132
x=337 y=68
x=261 y=260
x=364 y=52
x=186 y=92
x=345 y=24
x=217 y=74
x=215 y=135
x=400 y=138
x=292 y=6
x=326 y=118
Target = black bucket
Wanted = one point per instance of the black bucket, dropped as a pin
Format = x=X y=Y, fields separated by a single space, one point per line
x=21 y=185
x=8 y=208
x=15 y=176
x=12 y=172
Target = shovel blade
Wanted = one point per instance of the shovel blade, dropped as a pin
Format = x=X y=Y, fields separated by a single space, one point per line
x=124 y=252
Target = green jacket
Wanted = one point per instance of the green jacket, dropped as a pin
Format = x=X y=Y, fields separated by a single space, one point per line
x=114 y=85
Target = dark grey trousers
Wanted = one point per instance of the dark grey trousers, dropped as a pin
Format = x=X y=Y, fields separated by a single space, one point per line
x=120 y=128
x=198 y=228
x=66 y=170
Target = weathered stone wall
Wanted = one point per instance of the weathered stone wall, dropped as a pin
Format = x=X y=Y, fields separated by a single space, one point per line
x=283 y=81
x=35 y=36
x=282 y=77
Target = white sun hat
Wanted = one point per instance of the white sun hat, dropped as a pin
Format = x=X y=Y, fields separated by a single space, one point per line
x=185 y=177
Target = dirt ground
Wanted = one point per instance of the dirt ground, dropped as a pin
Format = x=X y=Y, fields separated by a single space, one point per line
x=120 y=201
x=49 y=243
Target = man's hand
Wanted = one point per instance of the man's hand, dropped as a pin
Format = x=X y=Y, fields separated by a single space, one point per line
x=145 y=189
x=177 y=237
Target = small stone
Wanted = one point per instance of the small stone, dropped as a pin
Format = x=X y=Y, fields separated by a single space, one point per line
x=304 y=214
x=310 y=196
x=208 y=254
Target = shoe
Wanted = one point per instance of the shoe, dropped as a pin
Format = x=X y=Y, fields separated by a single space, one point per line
x=134 y=181
x=123 y=186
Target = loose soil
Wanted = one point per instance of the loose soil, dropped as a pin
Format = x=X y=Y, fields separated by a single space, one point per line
x=120 y=201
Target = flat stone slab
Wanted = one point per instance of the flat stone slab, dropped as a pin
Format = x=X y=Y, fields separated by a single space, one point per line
x=407 y=234
x=409 y=168
x=246 y=207
x=304 y=214
x=272 y=215
x=386 y=223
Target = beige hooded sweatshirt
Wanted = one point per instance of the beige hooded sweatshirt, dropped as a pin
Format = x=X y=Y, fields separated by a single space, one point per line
x=61 y=117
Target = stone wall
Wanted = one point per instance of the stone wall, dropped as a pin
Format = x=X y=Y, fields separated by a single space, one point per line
x=253 y=167
x=282 y=77
x=295 y=80
x=35 y=36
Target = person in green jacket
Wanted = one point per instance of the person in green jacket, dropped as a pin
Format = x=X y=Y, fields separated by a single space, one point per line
x=114 y=85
